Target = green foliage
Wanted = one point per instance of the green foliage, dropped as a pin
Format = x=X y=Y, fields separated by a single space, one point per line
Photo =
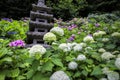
x=13 y=30
x=16 y=63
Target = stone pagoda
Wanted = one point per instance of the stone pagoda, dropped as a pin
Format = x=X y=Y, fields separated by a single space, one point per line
x=40 y=18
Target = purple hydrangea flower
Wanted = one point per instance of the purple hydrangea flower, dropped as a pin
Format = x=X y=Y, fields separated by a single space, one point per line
x=97 y=24
x=72 y=27
x=79 y=32
x=11 y=32
x=7 y=19
x=72 y=37
x=17 y=43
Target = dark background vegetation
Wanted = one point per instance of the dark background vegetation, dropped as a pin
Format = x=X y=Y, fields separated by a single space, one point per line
x=66 y=9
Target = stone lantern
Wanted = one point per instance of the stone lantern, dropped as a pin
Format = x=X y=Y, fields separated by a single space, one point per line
x=40 y=23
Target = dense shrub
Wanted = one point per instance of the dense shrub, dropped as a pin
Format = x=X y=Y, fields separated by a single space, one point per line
x=66 y=9
x=89 y=50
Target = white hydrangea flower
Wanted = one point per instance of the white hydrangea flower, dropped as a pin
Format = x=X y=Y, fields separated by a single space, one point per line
x=88 y=48
x=73 y=44
x=81 y=57
x=99 y=33
x=115 y=52
x=58 y=31
x=101 y=50
x=49 y=37
x=105 y=39
x=118 y=55
x=78 y=47
x=88 y=39
x=83 y=44
x=37 y=49
x=117 y=63
x=105 y=70
x=102 y=32
x=107 y=56
x=96 y=34
x=72 y=65
x=70 y=45
x=103 y=79
x=116 y=34
x=59 y=75
x=113 y=76
x=65 y=47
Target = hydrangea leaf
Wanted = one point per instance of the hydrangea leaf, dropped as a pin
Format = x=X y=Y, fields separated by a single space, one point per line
x=48 y=66
x=96 y=71
x=57 y=62
x=40 y=76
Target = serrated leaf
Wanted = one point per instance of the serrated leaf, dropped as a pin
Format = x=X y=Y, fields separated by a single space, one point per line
x=47 y=66
x=100 y=44
x=35 y=65
x=89 y=61
x=21 y=78
x=110 y=46
x=96 y=71
x=77 y=74
x=40 y=76
x=57 y=62
x=13 y=73
x=30 y=73
x=6 y=59
x=85 y=73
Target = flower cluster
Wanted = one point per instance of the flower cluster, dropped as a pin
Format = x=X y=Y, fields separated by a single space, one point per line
x=107 y=56
x=81 y=57
x=101 y=50
x=99 y=33
x=65 y=47
x=116 y=34
x=88 y=38
x=57 y=31
x=72 y=65
x=72 y=37
x=49 y=37
x=37 y=49
x=97 y=24
x=72 y=27
x=117 y=63
x=17 y=43
x=59 y=75
x=77 y=47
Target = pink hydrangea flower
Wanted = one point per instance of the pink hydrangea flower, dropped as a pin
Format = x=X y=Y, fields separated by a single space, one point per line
x=17 y=43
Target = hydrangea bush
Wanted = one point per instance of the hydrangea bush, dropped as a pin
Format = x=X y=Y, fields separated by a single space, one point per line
x=88 y=50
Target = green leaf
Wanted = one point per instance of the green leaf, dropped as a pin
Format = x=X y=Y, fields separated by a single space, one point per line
x=96 y=71
x=77 y=74
x=6 y=59
x=47 y=66
x=21 y=78
x=2 y=76
x=57 y=62
x=100 y=44
x=13 y=73
x=110 y=46
x=85 y=73
x=89 y=61
x=40 y=76
x=35 y=65
x=30 y=74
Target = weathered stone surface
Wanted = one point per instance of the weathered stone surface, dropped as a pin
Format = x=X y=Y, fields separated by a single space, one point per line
x=39 y=25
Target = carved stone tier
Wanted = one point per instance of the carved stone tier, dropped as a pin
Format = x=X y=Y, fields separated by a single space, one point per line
x=36 y=35
x=40 y=8
x=41 y=25
x=33 y=15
